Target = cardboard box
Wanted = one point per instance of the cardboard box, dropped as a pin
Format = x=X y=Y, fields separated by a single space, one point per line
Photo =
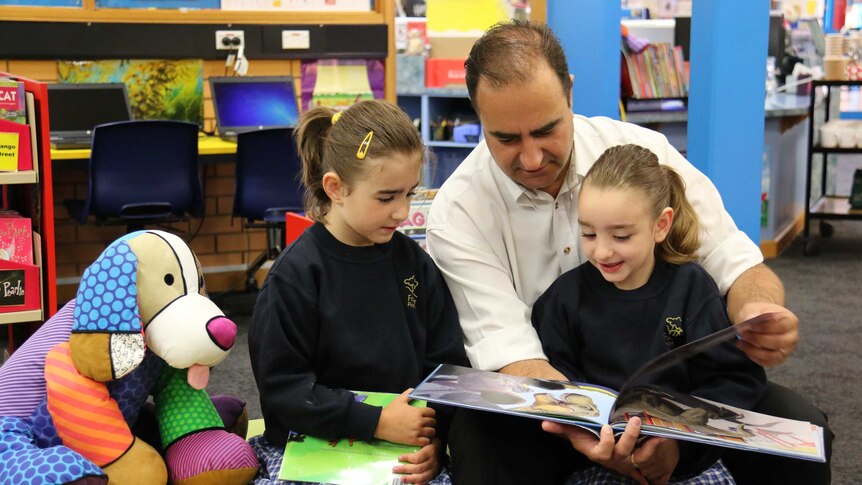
x=440 y=73
x=451 y=47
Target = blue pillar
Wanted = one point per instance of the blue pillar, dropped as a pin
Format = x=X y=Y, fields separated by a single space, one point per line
x=589 y=31
x=726 y=102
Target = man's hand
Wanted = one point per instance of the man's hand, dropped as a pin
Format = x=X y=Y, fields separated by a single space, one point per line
x=605 y=451
x=771 y=342
x=758 y=290
x=657 y=459
x=537 y=368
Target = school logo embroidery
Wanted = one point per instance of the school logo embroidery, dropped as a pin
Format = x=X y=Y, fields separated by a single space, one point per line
x=673 y=332
x=411 y=284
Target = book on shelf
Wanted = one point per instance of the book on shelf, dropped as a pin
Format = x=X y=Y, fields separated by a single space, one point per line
x=663 y=413
x=345 y=461
x=12 y=104
x=15 y=146
x=16 y=238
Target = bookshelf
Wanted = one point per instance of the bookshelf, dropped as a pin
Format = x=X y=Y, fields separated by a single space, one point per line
x=30 y=193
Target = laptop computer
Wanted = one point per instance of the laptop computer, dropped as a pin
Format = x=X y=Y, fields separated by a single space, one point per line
x=253 y=103
x=75 y=109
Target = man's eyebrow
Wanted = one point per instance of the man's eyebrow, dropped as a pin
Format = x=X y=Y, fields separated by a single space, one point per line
x=547 y=127
x=539 y=131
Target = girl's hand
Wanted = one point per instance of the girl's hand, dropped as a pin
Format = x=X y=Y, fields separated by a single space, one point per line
x=657 y=459
x=402 y=423
x=422 y=466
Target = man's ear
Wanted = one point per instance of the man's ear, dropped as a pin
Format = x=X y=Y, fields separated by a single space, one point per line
x=663 y=224
x=334 y=187
x=571 y=87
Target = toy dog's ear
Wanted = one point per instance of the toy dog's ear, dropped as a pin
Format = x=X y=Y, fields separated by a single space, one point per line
x=107 y=339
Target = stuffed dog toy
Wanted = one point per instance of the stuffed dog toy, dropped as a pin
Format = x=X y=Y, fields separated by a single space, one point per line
x=141 y=325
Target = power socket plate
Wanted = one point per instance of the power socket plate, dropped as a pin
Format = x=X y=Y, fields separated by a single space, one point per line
x=232 y=35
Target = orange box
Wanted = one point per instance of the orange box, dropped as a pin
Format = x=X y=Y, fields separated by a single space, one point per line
x=440 y=73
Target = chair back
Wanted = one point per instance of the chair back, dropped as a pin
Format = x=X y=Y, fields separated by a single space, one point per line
x=144 y=170
x=267 y=175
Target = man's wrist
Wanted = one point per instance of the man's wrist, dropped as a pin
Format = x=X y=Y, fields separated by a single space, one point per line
x=538 y=368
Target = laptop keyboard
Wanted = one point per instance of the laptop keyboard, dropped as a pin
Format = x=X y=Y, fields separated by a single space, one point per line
x=69 y=142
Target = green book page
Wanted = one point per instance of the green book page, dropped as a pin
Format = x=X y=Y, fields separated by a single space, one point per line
x=345 y=461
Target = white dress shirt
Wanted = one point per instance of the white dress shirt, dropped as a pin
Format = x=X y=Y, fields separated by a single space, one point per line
x=500 y=245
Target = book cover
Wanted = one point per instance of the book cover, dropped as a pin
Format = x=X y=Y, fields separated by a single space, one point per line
x=16 y=239
x=345 y=461
x=663 y=413
x=12 y=104
x=14 y=146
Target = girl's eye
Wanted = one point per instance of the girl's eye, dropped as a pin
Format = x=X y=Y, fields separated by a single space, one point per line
x=588 y=236
x=622 y=238
x=386 y=200
x=411 y=194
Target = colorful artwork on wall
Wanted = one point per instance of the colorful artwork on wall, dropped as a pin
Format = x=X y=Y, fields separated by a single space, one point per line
x=338 y=83
x=158 y=89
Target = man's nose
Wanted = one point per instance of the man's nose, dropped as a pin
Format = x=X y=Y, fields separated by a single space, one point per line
x=531 y=155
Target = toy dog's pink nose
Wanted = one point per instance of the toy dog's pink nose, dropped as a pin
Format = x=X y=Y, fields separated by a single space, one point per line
x=222 y=331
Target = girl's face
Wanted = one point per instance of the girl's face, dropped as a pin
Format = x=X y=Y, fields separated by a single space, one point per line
x=619 y=233
x=373 y=206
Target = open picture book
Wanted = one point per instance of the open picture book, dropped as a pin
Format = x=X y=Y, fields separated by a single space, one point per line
x=663 y=413
x=345 y=461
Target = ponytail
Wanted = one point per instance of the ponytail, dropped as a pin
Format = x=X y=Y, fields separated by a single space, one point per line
x=311 y=133
x=682 y=240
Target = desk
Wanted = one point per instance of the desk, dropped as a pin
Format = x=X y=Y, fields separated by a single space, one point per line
x=207 y=146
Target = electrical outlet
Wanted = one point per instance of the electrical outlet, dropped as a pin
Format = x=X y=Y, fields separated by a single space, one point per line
x=229 y=39
x=295 y=39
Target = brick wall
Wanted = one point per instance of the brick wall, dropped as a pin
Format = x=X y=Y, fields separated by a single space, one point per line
x=223 y=246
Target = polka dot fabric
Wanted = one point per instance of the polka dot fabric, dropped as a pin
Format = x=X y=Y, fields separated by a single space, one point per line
x=23 y=462
x=107 y=298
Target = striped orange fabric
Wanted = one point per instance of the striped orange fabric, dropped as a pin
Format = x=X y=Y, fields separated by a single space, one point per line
x=87 y=419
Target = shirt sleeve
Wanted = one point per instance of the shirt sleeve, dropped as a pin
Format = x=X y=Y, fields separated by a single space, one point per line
x=282 y=341
x=495 y=322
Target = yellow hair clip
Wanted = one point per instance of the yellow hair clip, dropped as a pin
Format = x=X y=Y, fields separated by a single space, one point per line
x=363 y=147
x=336 y=116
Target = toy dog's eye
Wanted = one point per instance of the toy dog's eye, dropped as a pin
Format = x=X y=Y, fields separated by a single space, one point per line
x=169 y=279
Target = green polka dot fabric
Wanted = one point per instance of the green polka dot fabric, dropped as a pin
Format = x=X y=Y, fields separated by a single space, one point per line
x=182 y=409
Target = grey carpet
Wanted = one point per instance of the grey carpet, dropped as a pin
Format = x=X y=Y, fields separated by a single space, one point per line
x=825 y=292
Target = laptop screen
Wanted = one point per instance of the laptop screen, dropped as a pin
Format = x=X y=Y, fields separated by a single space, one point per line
x=252 y=103
x=78 y=108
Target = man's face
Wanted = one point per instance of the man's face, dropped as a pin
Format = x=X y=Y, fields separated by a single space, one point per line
x=528 y=128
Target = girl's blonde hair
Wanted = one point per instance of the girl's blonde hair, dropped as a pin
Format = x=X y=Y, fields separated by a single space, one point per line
x=635 y=167
x=341 y=144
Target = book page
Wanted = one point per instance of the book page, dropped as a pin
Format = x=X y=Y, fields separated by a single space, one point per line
x=565 y=402
x=677 y=415
x=344 y=461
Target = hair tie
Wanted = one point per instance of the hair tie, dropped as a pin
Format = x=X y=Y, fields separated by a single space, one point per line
x=336 y=116
x=363 y=147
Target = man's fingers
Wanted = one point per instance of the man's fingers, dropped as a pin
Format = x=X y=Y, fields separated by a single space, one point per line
x=628 y=440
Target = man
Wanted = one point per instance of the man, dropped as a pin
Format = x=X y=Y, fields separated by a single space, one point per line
x=504 y=226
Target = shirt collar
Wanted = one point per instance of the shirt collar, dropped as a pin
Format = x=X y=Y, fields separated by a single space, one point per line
x=516 y=193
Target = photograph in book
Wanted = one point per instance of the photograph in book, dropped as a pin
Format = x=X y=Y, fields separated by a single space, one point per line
x=663 y=412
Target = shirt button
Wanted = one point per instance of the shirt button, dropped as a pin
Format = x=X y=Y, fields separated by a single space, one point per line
x=567 y=250
x=556 y=205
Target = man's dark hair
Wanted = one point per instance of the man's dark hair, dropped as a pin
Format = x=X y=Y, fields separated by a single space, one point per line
x=511 y=51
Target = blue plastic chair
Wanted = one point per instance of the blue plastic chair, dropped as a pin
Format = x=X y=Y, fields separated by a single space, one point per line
x=142 y=173
x=268 y=185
